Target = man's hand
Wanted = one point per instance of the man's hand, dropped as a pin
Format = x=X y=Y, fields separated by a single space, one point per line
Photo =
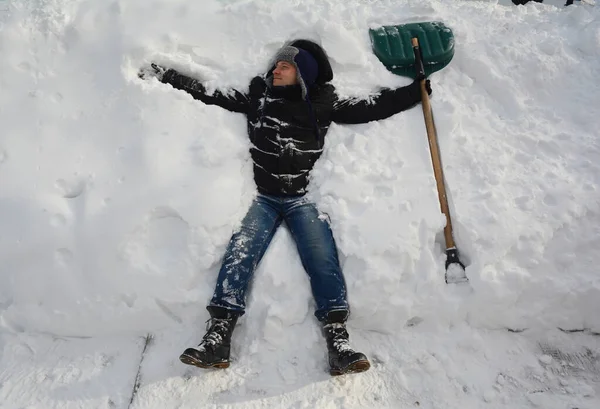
x=417 y=83
x=152 y=71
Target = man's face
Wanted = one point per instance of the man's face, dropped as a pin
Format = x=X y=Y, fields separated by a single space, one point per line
x=284 y=74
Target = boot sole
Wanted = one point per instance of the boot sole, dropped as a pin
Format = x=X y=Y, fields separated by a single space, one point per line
x=188 y=360
x=355 y=367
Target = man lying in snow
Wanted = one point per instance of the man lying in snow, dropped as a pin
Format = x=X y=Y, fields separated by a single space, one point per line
x=289 y=111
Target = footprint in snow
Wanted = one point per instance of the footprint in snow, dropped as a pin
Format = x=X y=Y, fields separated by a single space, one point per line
x=63 y=257
x=70 y=189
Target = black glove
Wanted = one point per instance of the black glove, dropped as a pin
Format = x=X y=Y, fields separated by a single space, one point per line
x=417 y=84
x=153 y=71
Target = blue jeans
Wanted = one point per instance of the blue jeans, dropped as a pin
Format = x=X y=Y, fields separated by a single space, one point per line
x=313 y=238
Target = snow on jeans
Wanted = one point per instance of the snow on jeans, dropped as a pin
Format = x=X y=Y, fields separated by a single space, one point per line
x=315 y=242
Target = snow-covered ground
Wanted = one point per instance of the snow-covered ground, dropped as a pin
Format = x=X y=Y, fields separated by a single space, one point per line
x=118 y=197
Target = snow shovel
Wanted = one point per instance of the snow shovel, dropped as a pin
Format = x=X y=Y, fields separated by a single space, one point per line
x=423 y=48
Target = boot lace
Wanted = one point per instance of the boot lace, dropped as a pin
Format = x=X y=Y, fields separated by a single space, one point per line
x=339 y=337
x=216 y=328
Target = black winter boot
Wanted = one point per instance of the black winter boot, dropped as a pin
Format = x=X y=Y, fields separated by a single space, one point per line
x=342 y=358
x=213 y=351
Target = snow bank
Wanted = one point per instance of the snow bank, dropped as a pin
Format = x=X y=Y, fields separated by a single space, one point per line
x=118 y=196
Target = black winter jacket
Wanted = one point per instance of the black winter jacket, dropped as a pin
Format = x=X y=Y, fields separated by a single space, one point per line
x=286 y=141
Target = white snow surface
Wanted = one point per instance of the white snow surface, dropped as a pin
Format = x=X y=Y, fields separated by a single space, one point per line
x=118 y=197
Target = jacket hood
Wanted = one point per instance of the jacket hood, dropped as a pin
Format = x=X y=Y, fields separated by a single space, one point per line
x=325 y=72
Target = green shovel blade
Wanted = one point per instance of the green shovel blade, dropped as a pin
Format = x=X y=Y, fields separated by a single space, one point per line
x=393 y=46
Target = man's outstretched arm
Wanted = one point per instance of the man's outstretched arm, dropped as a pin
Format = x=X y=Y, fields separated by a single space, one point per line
x=382 y=105
x=233 y=100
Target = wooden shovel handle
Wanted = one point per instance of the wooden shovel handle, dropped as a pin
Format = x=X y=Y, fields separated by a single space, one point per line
x=435 y=157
